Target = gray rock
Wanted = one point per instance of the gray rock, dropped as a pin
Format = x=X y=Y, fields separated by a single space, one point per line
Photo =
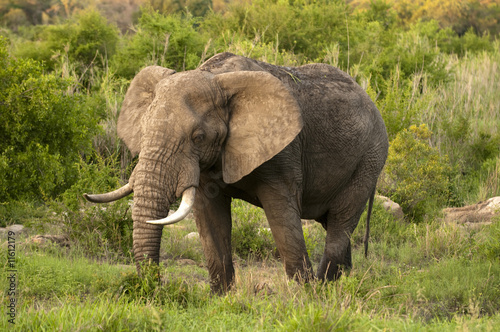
x=480 y=213
x=18 y=229
x=192 y=236
x=185 y=261
x=392 y=207
x=61 y=240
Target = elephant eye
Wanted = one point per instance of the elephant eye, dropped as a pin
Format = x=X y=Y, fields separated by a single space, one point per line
x=198 y=137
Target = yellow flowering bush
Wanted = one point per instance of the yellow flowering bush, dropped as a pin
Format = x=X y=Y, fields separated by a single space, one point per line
x=417 y=176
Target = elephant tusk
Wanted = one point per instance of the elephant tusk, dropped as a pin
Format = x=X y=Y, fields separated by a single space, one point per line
x=111 y=196
x=186 y=205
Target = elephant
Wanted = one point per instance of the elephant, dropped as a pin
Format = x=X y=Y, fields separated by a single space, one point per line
x=301 y=142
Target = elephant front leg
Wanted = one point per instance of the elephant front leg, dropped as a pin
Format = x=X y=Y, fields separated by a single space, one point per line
x=213 y=220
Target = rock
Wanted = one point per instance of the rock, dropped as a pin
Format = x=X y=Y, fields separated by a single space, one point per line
x=481 y=212
x=192 y=236
x=185 y=261
x=392 y=207
x=17 y=229
x=61 y=240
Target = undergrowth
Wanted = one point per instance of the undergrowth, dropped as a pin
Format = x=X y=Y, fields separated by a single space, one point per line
x=435 y=276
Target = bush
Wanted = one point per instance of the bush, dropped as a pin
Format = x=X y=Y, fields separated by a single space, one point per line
x=416 y=176
x=150 y=289
x=249 y=236
x=23 y=212
x=263 y=52
x=300 y=26
x=86 y=41
x=399 y=106
x=101 y=230
x=43 y=128
x=314 y=236
x=491 y=246
x=168 y=41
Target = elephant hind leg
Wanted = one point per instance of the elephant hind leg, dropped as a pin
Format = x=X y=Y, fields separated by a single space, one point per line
x=337 y=255
x=342 y=219
x=283 y=215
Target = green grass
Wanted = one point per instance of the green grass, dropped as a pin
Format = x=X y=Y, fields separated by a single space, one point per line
x=428 y=276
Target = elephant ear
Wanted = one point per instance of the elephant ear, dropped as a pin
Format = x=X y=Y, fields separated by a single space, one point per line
x=139 y=96
x=264 y=118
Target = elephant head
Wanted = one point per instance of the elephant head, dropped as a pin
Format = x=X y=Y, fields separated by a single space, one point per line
x=181 y=124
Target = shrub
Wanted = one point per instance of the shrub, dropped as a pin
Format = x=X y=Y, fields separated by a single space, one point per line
x=314 y=236
x=86 y=41
x=149 y=288
x=491 y=246
x=43 y=128
x=398 y=105
x=23 y=212
x=94 y=36
x=258 y=50
x=249 y=236
x=416 y=175
x=100 y=230
x=168 y=41
x=300 y=26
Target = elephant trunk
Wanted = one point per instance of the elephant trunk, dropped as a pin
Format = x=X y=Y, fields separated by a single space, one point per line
x=152 y=199
x=154 y=192
x=147 y=237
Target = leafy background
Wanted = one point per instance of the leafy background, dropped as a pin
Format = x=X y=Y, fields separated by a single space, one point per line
x=431 y=67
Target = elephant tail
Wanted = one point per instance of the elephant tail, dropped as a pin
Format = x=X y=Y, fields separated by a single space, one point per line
x=368 y=215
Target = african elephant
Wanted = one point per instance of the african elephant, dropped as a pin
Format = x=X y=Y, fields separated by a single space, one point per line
x=300 y=142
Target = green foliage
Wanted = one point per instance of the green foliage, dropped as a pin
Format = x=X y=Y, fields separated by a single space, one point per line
x=176 y=245
x=88 y=40
x=149 y=288
x=194 y=7
x=169 y=41
x=418 y=276
x=249 y=235
x=470 y=42
x=93 y=37
x=103 y=232
x=95 y=175
x=399 y=106
x=383 y=227
x=260 y=51
x=100 y=230
x=299 y=26
x=51 y=273
x=443 y=276
x=485 y=147
x=314 y=236
x=411 y=51
x=22 y=212
x=43 y=128
x=491 y=246
x=417 y=176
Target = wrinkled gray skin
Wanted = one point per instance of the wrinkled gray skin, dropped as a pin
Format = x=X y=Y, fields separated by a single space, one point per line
x=300 y=142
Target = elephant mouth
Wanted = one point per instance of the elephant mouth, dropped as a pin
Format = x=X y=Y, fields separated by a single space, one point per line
x=188 y=197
